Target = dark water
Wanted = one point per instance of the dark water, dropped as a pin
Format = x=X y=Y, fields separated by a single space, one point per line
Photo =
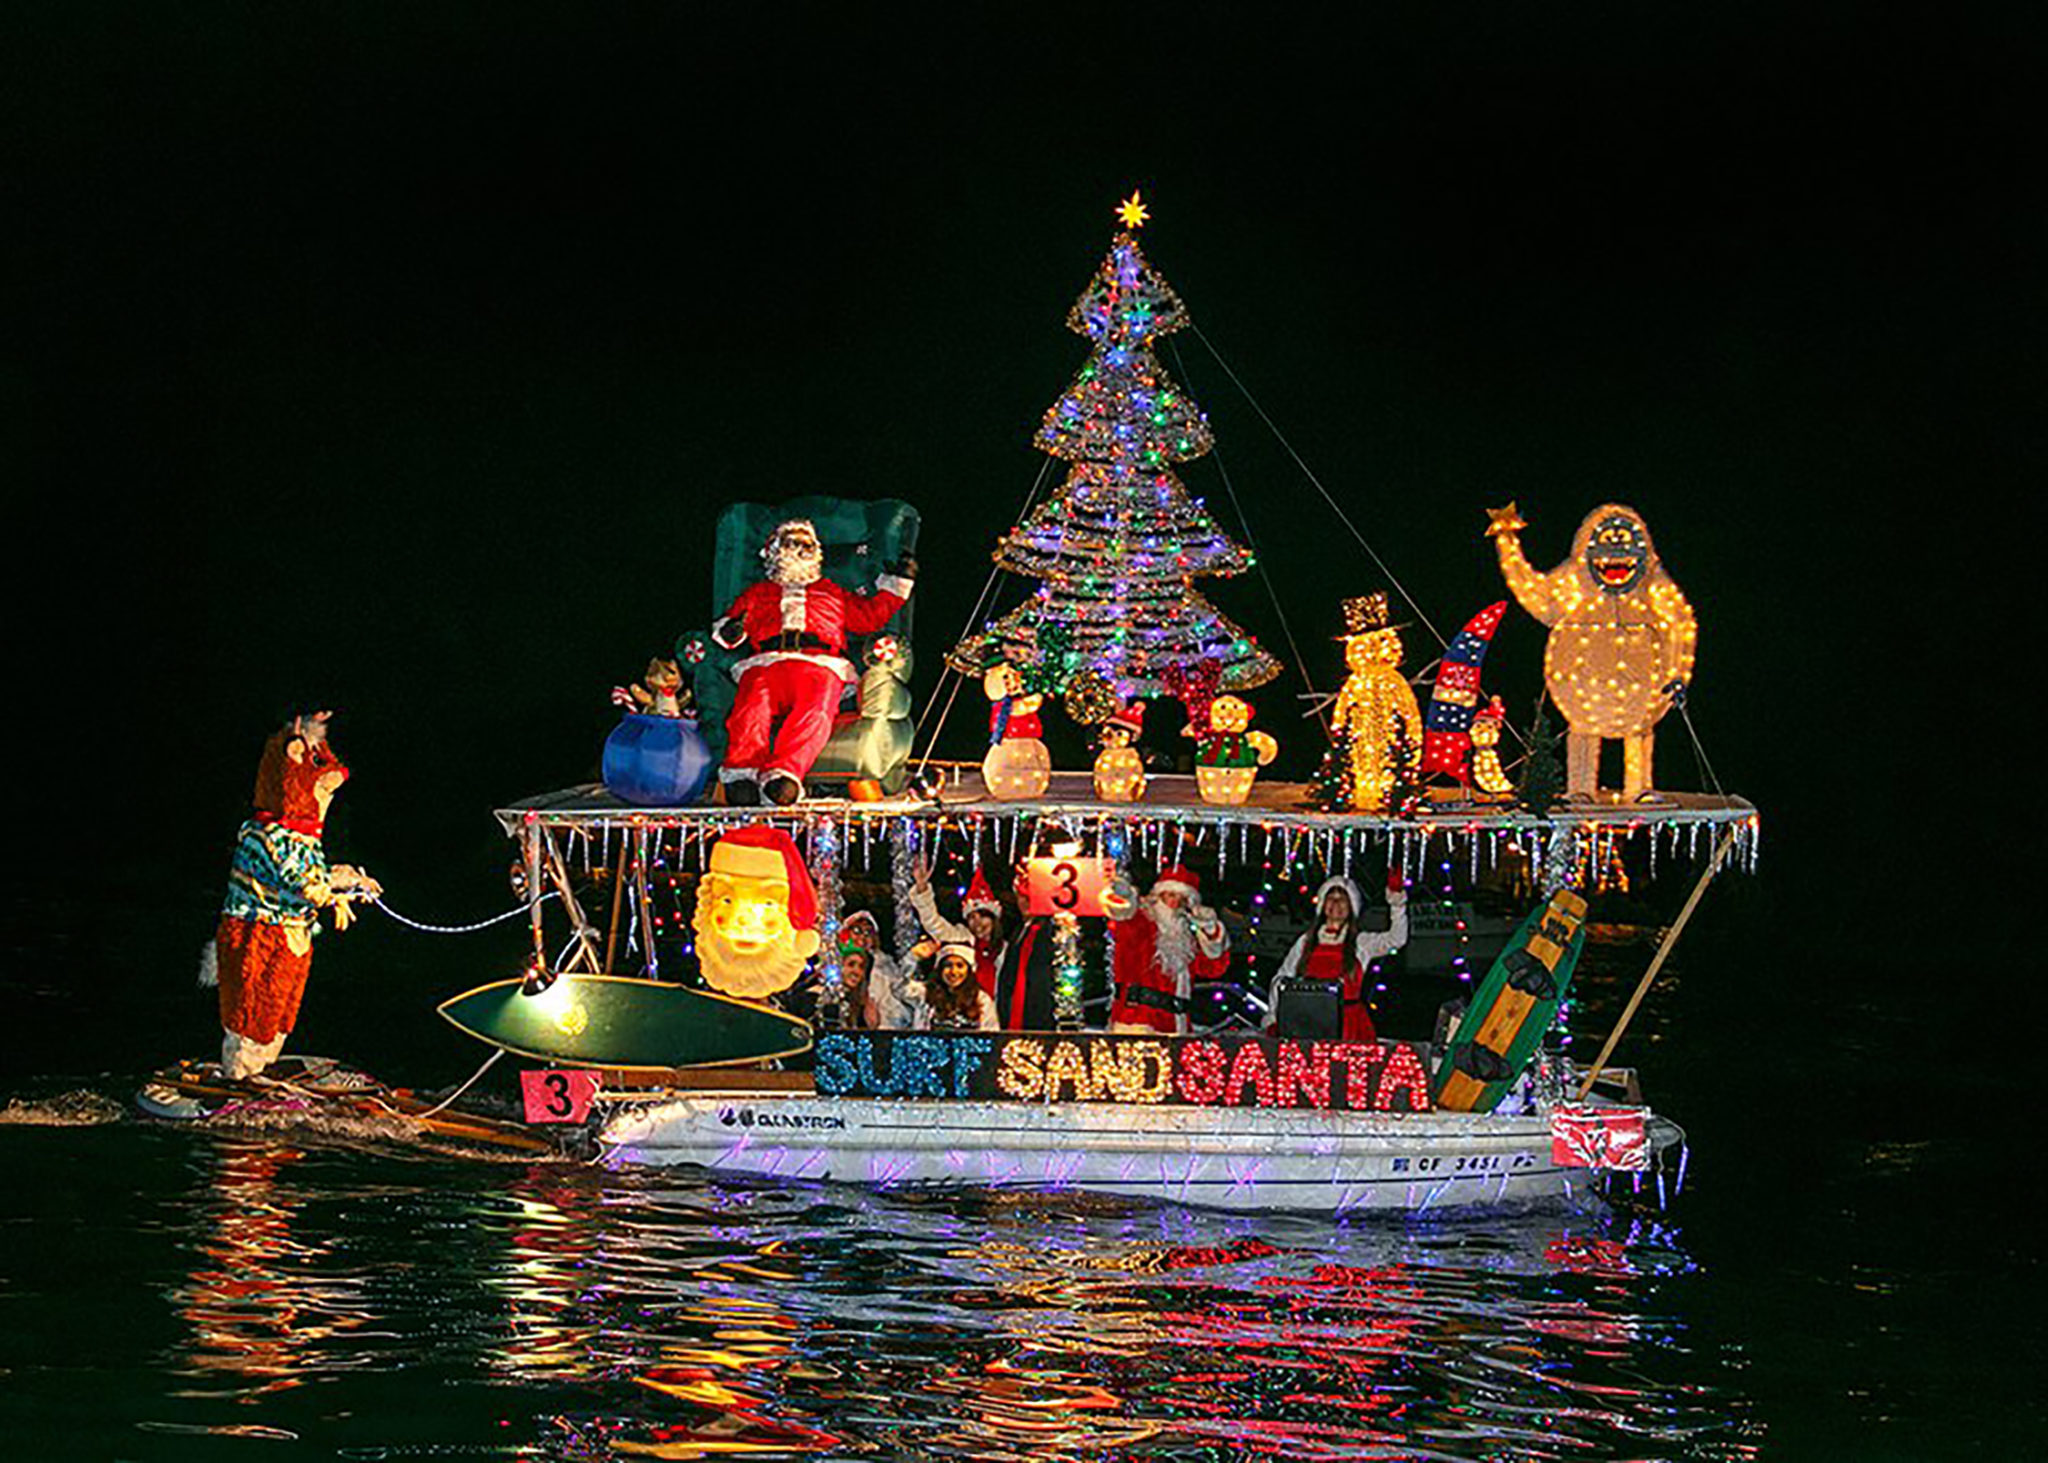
x=1851 y=1271
x=380 y=1306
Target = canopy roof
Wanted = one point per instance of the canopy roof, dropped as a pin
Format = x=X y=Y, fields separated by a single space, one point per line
x=1682 y=821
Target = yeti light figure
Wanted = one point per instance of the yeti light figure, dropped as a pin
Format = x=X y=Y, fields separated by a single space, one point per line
x=1621 y=637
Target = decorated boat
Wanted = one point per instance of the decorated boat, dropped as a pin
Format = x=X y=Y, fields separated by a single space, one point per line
x=732 y=992
x=1231 y=1118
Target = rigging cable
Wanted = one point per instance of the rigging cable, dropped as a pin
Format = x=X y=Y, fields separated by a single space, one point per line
x=1698 y=747
x=1244 y=522
x=482 y=924
x=489 y=1062
x=1342 y=517
x=947 y=673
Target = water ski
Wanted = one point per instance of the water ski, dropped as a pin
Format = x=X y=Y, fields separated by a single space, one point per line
x=1513 y=1006
x=312 y=1088
x=620 y=1023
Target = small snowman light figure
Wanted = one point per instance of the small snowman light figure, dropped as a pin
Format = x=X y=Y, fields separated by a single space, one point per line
x=1017 y=765
x=1489 y=782
x=1227 y=756
x=1120 y=767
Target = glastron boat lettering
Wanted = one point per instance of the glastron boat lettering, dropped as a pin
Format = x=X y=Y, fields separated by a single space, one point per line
x=764 y=1117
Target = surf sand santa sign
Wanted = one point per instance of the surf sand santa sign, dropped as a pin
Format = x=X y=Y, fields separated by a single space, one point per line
x=1192 y=1071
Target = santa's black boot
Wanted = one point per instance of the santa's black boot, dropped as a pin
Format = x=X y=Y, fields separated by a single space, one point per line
x=742 y=792
x=783 y=790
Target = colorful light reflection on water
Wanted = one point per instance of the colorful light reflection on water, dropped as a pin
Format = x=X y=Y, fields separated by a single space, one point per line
x=384 y=1306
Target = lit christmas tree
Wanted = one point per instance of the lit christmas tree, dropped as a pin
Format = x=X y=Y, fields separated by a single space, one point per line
x=1334 y=789
x=1119 y=544
x=1542 y=780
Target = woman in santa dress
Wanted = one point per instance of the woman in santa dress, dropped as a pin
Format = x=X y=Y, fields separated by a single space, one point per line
x=1336 y=950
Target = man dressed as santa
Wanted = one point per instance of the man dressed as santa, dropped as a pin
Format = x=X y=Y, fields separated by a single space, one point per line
x=795 y=623
x=1164 y=942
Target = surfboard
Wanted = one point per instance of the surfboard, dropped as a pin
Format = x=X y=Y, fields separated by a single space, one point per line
x=310 y=1088
x=1513 y=1006
x=622 y=1023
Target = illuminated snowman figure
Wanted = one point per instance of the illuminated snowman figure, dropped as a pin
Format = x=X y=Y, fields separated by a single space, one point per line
x=1120 y=767
x=1017 y=765
x=1374 y=701
x=1489 y=781
x=1621 y=639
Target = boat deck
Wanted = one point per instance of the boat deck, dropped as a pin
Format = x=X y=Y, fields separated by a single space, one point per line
x=1168 y=798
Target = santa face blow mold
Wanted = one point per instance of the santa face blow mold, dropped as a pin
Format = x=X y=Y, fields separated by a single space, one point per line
x=757 y=914
x=1622 y=639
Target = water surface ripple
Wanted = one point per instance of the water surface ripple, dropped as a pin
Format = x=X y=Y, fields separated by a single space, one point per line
x=340 y=1299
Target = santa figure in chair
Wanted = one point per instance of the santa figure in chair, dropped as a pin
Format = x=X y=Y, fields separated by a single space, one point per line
x=794 y=623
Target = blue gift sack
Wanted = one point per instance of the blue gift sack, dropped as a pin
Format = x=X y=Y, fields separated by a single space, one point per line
x=657 y=761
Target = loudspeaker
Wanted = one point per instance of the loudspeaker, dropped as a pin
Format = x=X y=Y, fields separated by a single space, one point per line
x=1310 y=1010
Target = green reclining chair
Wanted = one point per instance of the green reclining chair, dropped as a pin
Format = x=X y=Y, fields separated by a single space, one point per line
x=861 y=539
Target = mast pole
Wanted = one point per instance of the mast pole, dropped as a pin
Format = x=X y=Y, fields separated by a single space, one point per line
x=1643 y=986
x=611 y=939
x=646 y=903
x=529 y=838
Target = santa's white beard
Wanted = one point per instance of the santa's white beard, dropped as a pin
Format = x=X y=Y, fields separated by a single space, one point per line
x=748 y=977
x=1174 y=940
x=794 y=567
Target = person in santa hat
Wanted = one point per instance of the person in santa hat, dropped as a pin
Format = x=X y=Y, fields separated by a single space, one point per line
x=1164 y=942
x=980 y=927
x=757 y=914
x=795 y=623
x=954 y=1001
x=1337 y=952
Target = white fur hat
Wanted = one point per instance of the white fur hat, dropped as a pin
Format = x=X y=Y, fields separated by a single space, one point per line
x=1338 y=881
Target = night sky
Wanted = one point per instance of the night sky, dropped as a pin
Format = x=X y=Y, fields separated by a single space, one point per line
x=399 y=358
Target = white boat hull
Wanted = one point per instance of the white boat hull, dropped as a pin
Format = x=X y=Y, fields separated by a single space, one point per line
x=1229 y=1158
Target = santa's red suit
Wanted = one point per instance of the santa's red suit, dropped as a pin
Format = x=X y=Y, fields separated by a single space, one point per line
x=796 y=668
x=1155 y=975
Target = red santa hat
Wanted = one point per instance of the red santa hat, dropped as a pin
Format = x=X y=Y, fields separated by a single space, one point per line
x=959 y=950
x=980 y=896
x=1131 y=718
x=1177 y=877
x=763 y=852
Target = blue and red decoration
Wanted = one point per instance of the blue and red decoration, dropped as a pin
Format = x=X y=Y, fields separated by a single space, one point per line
x=1447 y=725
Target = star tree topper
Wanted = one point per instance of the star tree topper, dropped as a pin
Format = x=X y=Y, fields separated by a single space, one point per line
x=1132 y=211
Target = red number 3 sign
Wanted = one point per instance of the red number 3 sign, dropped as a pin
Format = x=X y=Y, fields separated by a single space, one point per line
x=556 y=1095
x=1065 y=885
